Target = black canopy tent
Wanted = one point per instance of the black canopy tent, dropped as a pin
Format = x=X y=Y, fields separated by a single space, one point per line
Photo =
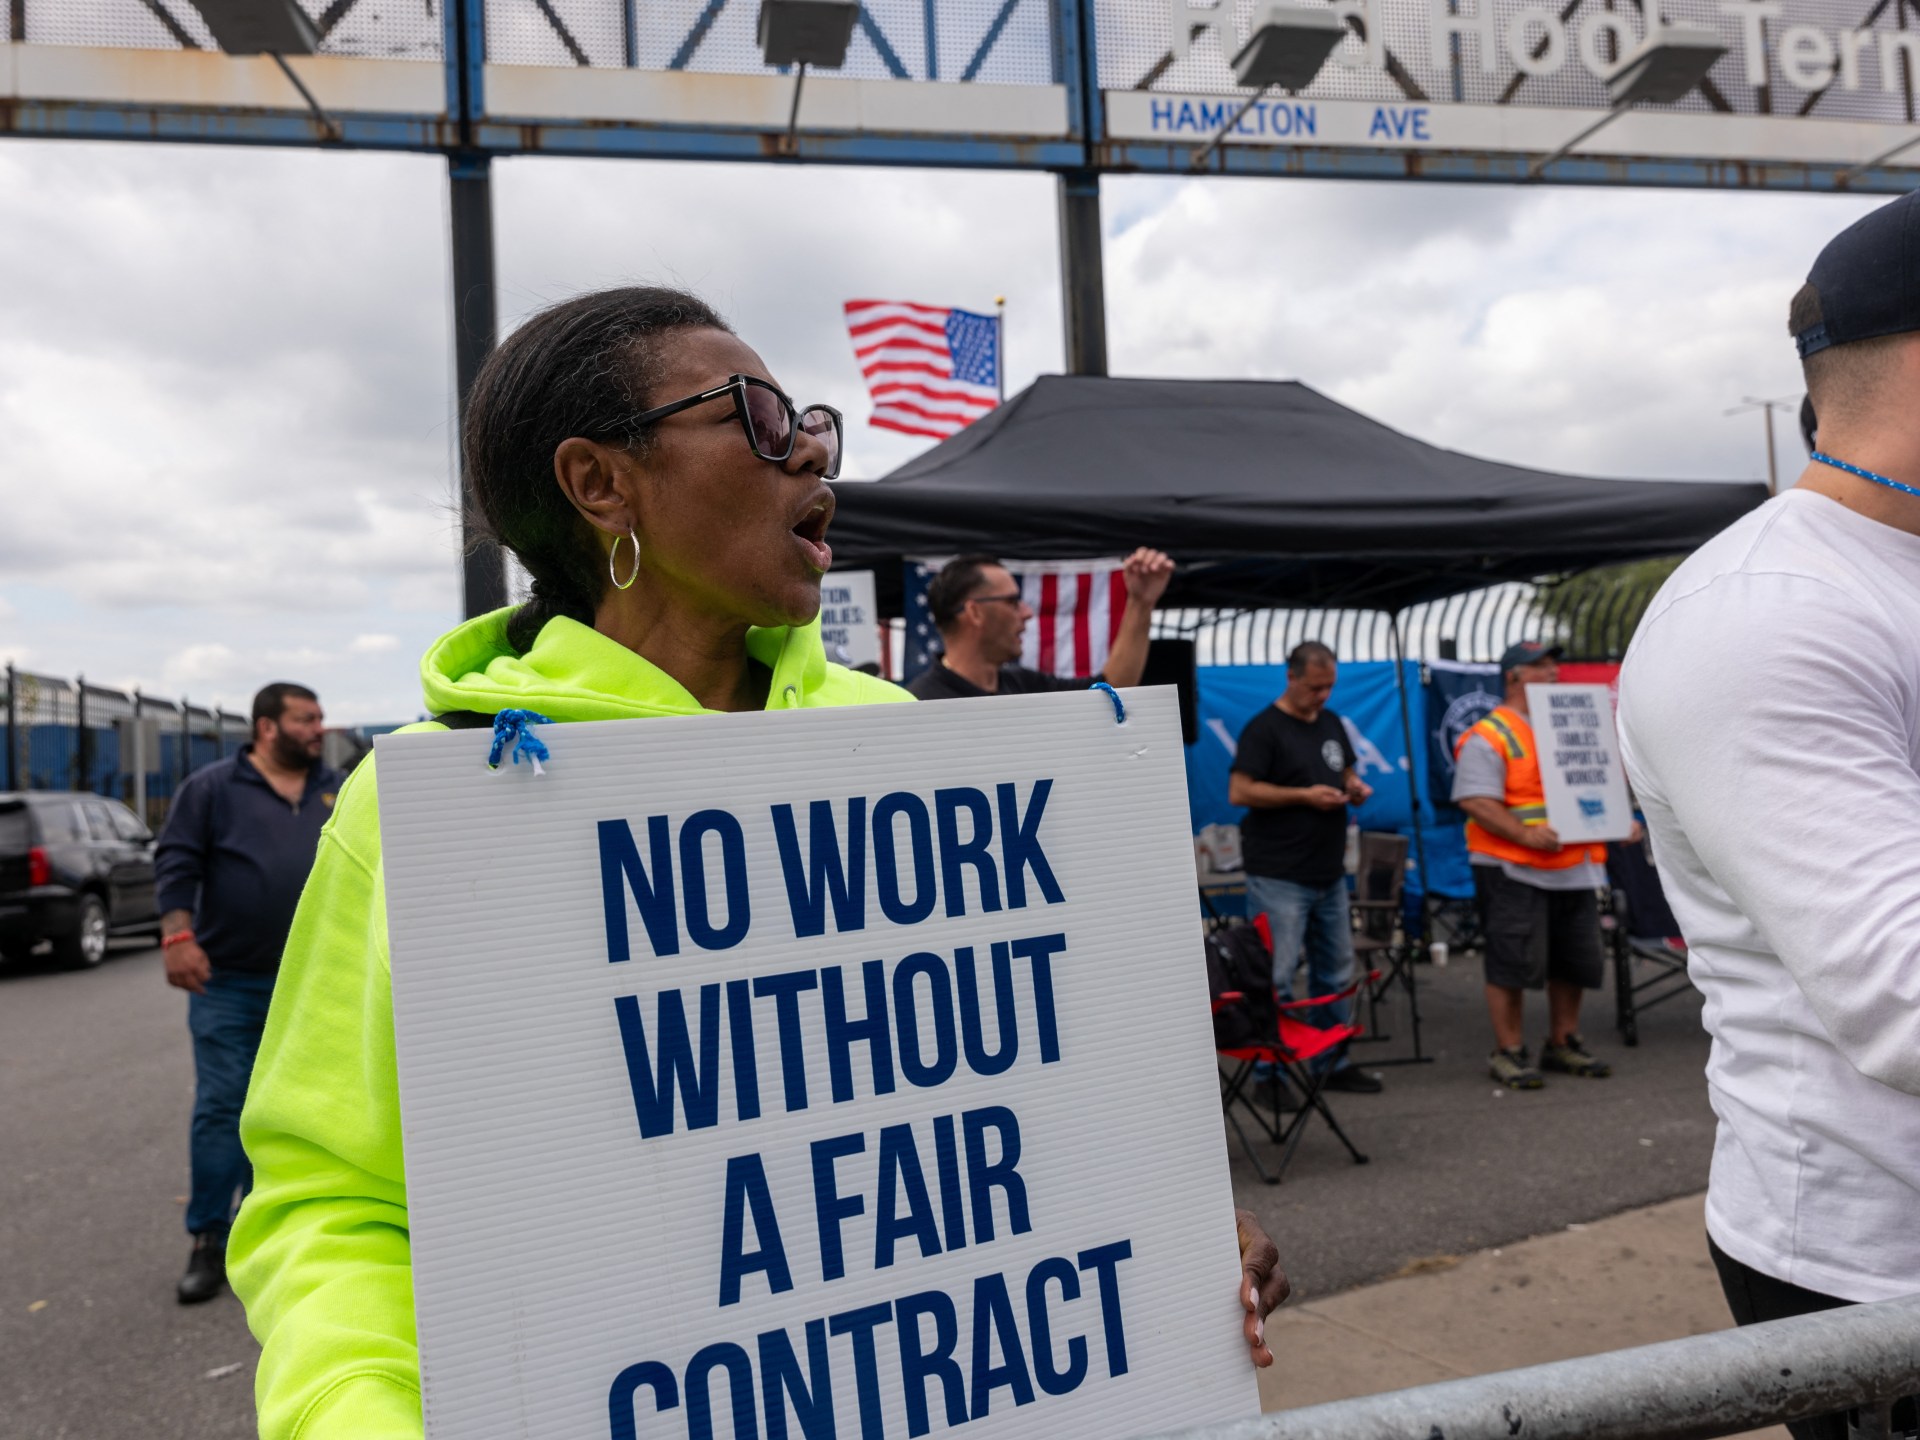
x=1266 y=492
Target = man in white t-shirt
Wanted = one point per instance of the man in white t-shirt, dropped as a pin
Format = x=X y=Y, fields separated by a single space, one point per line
x=1770 y=720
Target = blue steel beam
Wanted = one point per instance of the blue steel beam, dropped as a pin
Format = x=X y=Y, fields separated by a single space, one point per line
x=559 y=28
x=452 y=19
x=931 y=25
x=512 y=136
x=64 y=120
x=1073 y=38
x=690 y=42
x=990 y=39
x=871 y=29
x=1148 y=157
x=466 y=58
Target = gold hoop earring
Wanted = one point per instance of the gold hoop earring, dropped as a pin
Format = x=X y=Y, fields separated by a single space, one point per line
x=613 y=552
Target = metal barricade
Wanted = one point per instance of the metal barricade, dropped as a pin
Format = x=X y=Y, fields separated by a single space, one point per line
x=1863 y=1358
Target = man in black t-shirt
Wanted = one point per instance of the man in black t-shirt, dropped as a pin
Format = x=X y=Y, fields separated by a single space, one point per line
x=977 y=606
x=1294 y=771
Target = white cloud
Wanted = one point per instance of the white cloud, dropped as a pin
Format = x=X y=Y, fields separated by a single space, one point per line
x=373 y=644
x=1599 y=332
x=199 y=665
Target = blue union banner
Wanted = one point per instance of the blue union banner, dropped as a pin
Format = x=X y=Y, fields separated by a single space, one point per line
x=1458 y=697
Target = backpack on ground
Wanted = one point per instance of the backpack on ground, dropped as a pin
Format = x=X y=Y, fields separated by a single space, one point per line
x=1238 y=961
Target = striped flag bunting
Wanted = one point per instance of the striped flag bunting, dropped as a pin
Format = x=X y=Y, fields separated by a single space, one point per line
x=931 y=370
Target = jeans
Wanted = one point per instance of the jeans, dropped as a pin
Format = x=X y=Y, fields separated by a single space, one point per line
x=1318 y=918
x=225 y=1023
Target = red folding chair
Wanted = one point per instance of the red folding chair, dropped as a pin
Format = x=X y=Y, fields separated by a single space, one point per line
x=1274 y=1035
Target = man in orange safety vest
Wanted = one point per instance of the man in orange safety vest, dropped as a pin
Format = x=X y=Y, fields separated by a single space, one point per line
x=1537 y=898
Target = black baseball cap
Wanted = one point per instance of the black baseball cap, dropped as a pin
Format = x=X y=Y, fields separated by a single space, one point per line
x=1868 y=279
x=1528 y=652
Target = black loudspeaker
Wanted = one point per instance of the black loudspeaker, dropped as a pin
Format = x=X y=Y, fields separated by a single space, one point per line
x=1173 y=662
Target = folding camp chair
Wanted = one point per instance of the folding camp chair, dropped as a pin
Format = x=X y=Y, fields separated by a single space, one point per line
x=1253 y=1029
x=1639 y=926
x=1380 y=937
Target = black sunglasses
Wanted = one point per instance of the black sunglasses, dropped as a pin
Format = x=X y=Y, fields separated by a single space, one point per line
x=769 y=418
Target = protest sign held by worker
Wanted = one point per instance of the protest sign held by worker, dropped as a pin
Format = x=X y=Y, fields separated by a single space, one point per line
x=850 y=619
x=837 y=1073
x=1580 y=765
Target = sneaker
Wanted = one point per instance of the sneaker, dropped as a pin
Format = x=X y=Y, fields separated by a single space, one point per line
x=1571 y=1057
x=206 y=1270
x=1514 y=1069
x=1355 y=1081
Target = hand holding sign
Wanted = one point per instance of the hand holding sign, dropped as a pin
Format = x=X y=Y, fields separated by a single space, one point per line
x=1263 y=1284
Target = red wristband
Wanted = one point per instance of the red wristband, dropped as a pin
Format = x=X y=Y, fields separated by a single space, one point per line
x=179 y=937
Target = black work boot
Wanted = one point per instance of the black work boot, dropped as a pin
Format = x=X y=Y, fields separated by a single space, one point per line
x=206 y=1270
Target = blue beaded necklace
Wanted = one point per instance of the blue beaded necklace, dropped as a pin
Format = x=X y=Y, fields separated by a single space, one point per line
x=1866 y=474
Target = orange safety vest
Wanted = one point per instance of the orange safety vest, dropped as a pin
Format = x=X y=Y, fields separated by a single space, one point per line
x=1526 y=798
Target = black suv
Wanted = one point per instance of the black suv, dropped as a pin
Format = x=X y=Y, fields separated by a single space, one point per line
x=74 y=869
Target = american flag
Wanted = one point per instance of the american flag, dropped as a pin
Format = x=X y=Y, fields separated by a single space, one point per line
x=1077 y=605
x=931 y=370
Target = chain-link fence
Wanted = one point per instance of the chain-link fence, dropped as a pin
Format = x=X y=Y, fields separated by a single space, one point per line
x=60 y=734
x=1592 y=616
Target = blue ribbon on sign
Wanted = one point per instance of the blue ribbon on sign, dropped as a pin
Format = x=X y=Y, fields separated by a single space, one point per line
x=513 y=734
x=1119 y=710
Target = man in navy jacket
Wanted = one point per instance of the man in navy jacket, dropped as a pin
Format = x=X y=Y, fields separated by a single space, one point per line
x=231 y=861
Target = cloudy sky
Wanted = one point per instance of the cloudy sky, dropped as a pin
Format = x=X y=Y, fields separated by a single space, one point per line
x=225 y=375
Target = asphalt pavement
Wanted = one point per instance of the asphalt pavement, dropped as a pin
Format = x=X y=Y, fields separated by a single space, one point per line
x=1458 y=1164
x=96 y=1083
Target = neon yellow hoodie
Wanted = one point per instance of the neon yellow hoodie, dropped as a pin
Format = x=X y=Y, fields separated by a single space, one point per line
x=320 y=1253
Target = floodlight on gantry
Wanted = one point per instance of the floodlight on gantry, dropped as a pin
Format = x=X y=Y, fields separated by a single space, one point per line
x=1661 y=69
x=260 y=27
x=1287 y=46
x=815 y=33
x=1665 y=66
